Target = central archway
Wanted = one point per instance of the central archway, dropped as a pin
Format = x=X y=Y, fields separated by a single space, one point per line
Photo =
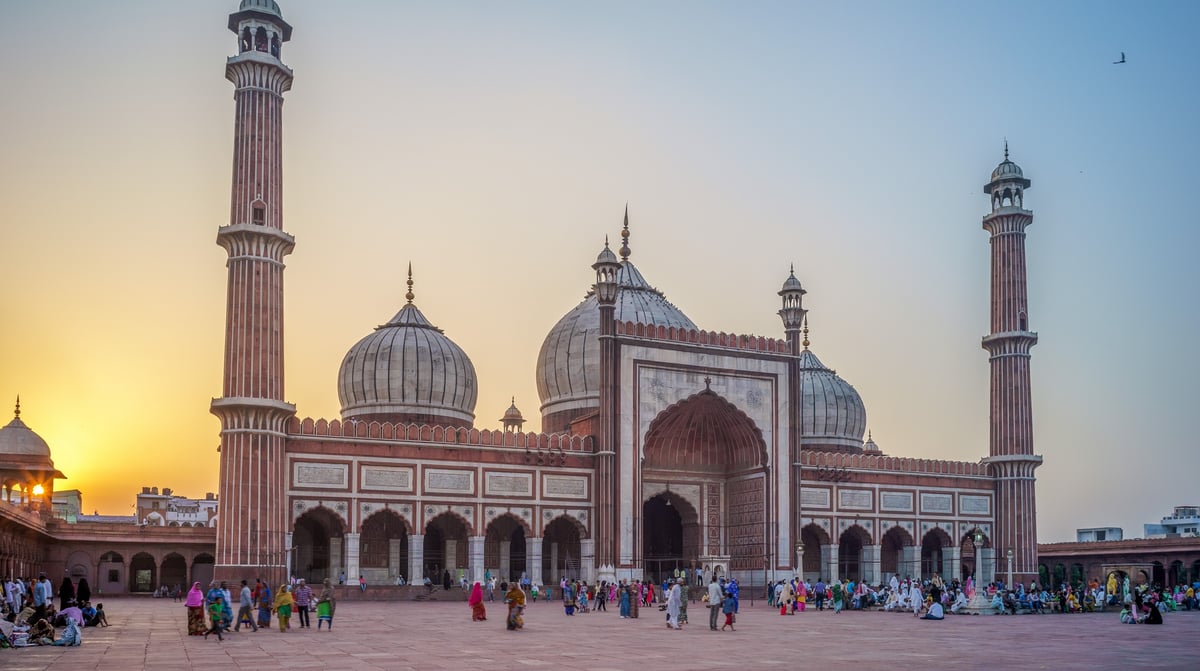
x=707 y=444
x=313 y=539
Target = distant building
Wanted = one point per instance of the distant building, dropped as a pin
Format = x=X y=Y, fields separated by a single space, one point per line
x=1185 y=521
x=67 y=505
x=1099 y=534
x=170 y=510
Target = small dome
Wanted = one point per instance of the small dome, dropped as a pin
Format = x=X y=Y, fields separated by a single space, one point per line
x=408 y=371
x=18 y=439
x=512 y=413
x=606 y=256
x=870 y=445
x=832 y=415
x=1007 y=170
x=268 y=6
x=568 y=365
x=792 y=284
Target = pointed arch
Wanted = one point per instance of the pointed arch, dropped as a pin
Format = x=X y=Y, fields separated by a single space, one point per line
x=704 y=433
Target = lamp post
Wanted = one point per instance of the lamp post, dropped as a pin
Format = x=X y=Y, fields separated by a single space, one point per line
x=1009 y=554
x=979 y=604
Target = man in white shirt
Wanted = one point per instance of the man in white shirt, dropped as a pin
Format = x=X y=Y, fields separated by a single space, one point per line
x=714 y=602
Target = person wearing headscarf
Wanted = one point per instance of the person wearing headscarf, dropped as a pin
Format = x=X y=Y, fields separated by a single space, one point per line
x=42 y=632
x=673 y=598
x=515 y=599
x=83 y=592
x=66 y=593
x=475 y=601
x=326 y=604
x=195 y=611
x=264 y=605
x=283 y=607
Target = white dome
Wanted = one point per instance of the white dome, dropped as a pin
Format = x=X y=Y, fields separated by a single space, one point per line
x=568 y=366
x=408 y=371
x=16 y=438
x=1007 y=170
x=832 y=415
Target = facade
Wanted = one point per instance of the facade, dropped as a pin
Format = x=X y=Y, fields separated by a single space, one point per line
x=1099 y=534
x=169 y=510
x=1184 y=521
x=663 y=446
x=1154 y=561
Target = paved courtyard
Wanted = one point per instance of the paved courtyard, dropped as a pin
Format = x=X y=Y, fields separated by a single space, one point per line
x=151 y=634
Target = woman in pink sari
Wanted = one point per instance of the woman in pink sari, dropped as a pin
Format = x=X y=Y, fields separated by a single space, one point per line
x=475 y=601
x=195 y=611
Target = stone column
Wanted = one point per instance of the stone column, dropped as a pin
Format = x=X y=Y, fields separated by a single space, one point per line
x=352 y=554
x=910 y=561
x=506 y=560
x=394 y=567
x=952 y=563
x=829 y=563
x=450 y=552
x=289 y=566
x=475 y=558
x=987 y=565
x=587 y=560
x=534 y=559
x=416 y=558
x=871 y=568
x=335 y=559
x=554 y=576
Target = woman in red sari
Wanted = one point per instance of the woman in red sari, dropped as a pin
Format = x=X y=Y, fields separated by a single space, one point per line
x=475 y=601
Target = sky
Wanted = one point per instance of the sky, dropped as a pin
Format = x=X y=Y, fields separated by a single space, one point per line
x=495 y=145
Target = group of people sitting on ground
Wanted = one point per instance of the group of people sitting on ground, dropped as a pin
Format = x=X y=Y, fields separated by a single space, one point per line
x=28 y=616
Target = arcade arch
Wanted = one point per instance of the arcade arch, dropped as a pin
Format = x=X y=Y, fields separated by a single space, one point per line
x=445 y=549
x=383 y=553
x=504 y=549
x=317 y=539
x=850 y=551
x=561 y=549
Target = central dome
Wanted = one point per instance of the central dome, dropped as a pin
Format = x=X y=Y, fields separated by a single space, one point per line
x=408 y=371
x=568 y=366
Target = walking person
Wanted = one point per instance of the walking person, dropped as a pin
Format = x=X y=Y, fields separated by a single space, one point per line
x=264 y=604
x=673 y=607
x=283 y=607
x=66 y=593
x=216 y=613
x=623 y=601
x=195 y=610
x=326 y=603
x=714 y=602
x=819 y=594
x=728 y=606
x=303 y=597
x=245 y=608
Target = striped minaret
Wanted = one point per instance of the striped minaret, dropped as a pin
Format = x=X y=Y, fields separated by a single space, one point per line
x=252 y=524
x=1011 y=456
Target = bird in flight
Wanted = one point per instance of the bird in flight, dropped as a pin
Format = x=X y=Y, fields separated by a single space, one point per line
x=1120 y=61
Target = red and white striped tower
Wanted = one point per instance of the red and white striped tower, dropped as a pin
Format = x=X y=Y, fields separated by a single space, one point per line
x=1011 y=456
x=252 y=524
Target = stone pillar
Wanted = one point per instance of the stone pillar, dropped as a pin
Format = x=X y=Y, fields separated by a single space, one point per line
x=534 y=559
x=475 y=558
x=506 y=560
x=352 y=550
x=910 y=561
x=587 y=560
x=870 y=563
x=416 y=558
x=394 y=567
x=289 y=566
x=554 y=576
x=952 y=563
x=335 y=558
x=450 y=552
x=829 y=563
x=987 y=565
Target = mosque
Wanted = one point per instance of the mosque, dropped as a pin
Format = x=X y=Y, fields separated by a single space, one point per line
x=663 y=446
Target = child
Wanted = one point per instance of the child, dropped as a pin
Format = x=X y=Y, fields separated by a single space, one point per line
x=727 y=606
x=101 y=618
x=1127 y=616
x=215 y=614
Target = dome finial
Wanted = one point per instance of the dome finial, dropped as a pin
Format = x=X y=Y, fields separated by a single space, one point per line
x=17 y=411
x=409 y=295
x=1006 y=149
x=625 y=236
x=805 y=341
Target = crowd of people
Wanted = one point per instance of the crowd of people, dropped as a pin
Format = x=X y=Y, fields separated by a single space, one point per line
x=211 y=611
x=28 y=615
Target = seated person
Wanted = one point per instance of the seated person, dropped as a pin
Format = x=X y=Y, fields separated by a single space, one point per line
x=26 y=614
x=1010 y=603
x=42 y=633
x=1127 y=616
x=69 y=613
x=935 y=612
x=960 y=601
x=100 y=618
x=998 y=603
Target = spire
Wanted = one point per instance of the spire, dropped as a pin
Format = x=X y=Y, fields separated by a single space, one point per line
x=409 y=295
x=1005 y=149
x=805 y=341
x=17 y=411
x=625 y=236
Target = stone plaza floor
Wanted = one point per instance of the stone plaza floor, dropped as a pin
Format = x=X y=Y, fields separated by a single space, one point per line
x=151 y=634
